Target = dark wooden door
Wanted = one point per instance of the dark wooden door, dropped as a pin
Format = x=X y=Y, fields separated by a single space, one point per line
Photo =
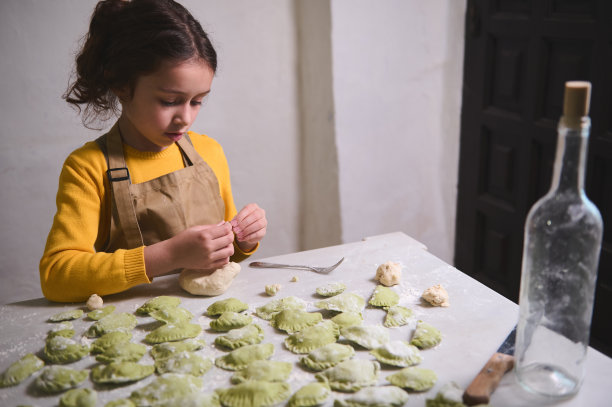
x=518 y=55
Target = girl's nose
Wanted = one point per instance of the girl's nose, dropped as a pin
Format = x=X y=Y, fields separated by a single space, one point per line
x=182 y=116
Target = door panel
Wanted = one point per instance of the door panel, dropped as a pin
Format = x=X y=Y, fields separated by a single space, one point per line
x=518 y=55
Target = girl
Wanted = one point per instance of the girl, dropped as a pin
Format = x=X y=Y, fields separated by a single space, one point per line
x=147 y=198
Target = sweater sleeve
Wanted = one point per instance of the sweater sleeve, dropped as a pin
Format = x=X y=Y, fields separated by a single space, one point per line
x=70 y=268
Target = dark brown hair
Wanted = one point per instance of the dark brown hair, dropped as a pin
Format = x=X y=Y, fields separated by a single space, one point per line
x=128 y=39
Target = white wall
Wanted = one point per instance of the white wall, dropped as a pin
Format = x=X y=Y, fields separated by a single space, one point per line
x=397 y=71
x=392 y=114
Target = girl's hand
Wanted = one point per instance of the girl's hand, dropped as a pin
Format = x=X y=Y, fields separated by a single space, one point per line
x=199 y=247
x=249 y=225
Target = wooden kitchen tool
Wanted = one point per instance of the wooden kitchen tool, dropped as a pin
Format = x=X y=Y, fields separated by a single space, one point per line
x=485 y=383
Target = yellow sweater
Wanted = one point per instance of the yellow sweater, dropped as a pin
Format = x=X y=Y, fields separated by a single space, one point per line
x=71 y=268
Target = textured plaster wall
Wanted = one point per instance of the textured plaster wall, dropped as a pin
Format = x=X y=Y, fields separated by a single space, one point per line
x=397 y=72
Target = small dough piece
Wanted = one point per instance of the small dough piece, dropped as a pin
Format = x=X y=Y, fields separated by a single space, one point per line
x=120 y=372
x=436 y=295
x=273 y=289
x=389 y=273
x=384 y=297
x=331 y=289
x=122 y=322
x=313 y=337
x=184 y=362
x=174 y=315
x=122 y=352
x=230 y=320
x=167 y=349
x=294 y=279
x=350 y=375
x=310 y=395
x=265 y=370
x=157 y=303
x=387 y=396
x=240 y=358
x=327 y=356
x=228 y=304
x=110 y=340
x=21 y=370
x=367 y=336
x=413 y=378
x=55 y=379
x=173 y=332
x=397 y=315
x=345 y=302
x=268 y=310
x=425 y=336
x=66 y=315
x=60 y=350
x=79 y=398
x=348 y=318
x=254 y=393
x=293 y=320
x=98 y=314
x=398 y=353
x=198 y=282
x=165 y=389
x=251 y=334
x=65 y=329
x=94 y=302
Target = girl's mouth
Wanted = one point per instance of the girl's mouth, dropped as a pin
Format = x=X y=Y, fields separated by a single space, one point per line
x=174 y=136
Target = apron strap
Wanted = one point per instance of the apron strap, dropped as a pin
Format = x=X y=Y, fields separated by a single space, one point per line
x=119 y=180
x=186 y=146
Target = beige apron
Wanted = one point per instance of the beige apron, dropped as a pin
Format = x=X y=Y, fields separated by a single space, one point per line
x=156 y=210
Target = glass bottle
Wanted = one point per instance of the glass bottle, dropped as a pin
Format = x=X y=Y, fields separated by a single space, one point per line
x=563 y=233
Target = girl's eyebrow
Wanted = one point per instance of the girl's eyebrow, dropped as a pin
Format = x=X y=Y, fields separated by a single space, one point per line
x=178 y=92
x=167 y=90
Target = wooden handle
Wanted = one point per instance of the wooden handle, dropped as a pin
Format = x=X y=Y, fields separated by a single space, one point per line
x=485 y=383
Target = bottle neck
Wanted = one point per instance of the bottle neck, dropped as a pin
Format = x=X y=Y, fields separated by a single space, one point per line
x=570 y=159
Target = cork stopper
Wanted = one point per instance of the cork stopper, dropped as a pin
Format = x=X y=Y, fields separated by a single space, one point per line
x=576 y=102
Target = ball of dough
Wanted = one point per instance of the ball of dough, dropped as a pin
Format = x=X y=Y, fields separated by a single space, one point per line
x=272 y=289
x=436 y=296
x=95 y=302
x=389 y=273
x=201 y=282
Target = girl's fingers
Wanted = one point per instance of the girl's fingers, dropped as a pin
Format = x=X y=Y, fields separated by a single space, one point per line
x=254 y=237
x=256 y=226
x=216 y=231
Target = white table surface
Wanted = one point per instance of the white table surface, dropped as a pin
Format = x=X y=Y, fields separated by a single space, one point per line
x=473 y=327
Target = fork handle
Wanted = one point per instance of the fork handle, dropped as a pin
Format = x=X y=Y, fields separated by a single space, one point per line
x=263 y=264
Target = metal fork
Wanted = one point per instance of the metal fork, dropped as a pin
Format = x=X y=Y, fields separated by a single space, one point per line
x=322 y=270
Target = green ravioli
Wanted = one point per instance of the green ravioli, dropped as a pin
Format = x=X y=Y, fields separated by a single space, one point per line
x=120 y=372
x=59 y=349
x=20 y=370
x=79 y=398
x=55 y=379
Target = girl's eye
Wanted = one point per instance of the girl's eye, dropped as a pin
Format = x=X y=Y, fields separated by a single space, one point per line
x=178 y=102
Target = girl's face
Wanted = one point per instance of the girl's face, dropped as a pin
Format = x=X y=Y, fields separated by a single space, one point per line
x=164 y=104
